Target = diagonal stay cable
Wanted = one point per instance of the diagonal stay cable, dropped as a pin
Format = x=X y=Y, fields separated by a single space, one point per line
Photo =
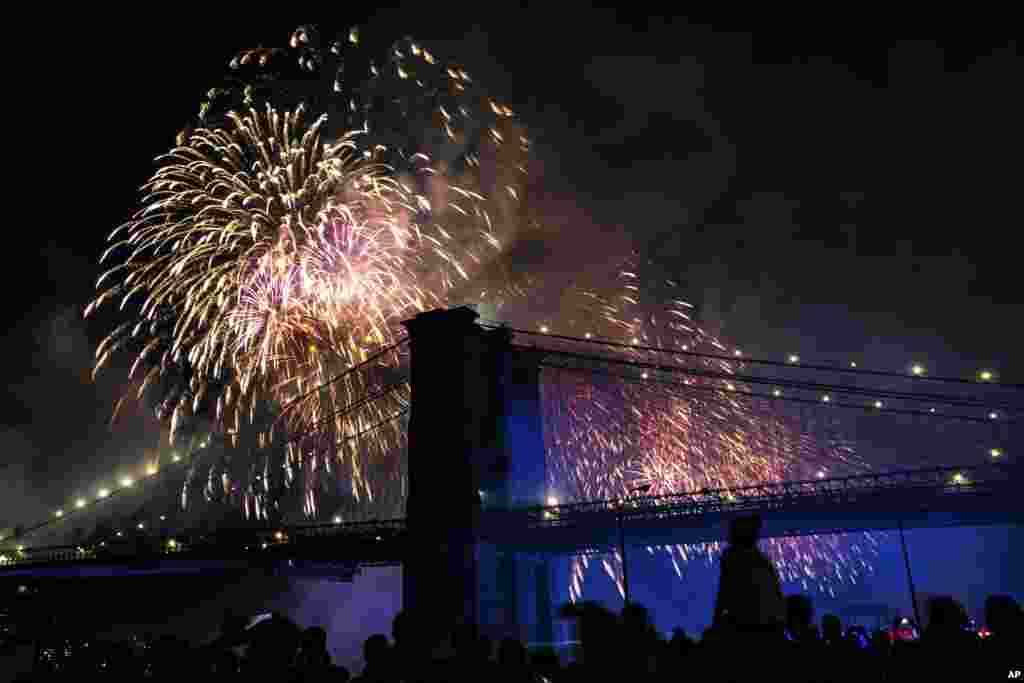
x=352 y=407
x=359 y=366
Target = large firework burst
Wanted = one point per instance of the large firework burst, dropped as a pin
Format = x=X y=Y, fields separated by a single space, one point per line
x=268 y=259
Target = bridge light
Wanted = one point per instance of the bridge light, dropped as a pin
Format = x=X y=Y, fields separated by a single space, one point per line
x=878 y=404
x=150 y=470
x=172 y=544
x=995 y=452
x=552 y=501
x=587 y=335
x=58 y=513
x=278 y=535
x=730 y=387
x=378 y=538
x=917 y=369
x=821 y=474
x=119 y=534
x=635 y=340
x=826 y=398
x=737 y=353
x=959 y=478
x=993 y=415
x=644 y=375
x=20 y=548
x=793 y=358
x=931 y=410
x=175 y=458
x=337 y=519
x=140 y=525
x=103 y=493
x=777 y=393
x=80 y=503
x=543 y=329
x=686 y=347
x=853 y=363
x=163 y=518
x=126 y=482
x=264 y=545
x=986 y=375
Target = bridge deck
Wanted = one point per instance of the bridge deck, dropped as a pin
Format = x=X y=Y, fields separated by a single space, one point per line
x=975 y=496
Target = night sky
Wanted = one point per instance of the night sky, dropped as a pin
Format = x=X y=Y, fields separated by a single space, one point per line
x=819 y=184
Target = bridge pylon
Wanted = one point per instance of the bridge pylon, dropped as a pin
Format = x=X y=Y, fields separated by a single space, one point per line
x=475 y=442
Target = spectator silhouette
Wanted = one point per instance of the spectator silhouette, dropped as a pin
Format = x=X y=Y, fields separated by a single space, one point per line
x=800 y=619
x=947 y=648
x=314 y=661
x=1004 y=620
x=273 y=648
x=749 y=591
x=376 y=653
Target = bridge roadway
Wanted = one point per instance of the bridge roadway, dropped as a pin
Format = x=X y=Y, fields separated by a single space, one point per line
x=977 y=495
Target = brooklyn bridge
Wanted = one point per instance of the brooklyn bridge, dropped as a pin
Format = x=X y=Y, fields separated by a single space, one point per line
x=483 y=519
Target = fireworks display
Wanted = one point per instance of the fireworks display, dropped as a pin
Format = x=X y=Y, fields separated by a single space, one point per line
x=607 y=433
x=271 y=255
x=324 y=195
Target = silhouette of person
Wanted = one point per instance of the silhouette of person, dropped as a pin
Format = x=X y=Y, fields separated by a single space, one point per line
x=375 y=653
x=749 y=590
x=750 y=611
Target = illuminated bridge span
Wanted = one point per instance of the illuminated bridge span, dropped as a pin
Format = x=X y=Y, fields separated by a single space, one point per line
x=967 y=496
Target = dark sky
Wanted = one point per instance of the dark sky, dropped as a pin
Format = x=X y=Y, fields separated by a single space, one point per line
x=818 y=183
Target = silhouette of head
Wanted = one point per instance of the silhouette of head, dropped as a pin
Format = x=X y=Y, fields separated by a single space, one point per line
x=743 y=531
x=375 y=651
x=1002 y=614
x=799 y=612
x=831 y=628
x=401 y=629
x=945 y=614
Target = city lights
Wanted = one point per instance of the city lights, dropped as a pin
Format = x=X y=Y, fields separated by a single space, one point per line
x=127 y=482
x=103 y=493
x=80 y=503
x=917 y=369
x=793 y=358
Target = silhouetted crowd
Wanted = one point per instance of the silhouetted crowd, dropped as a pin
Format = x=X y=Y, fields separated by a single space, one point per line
x=756 y=634
x=613 y=646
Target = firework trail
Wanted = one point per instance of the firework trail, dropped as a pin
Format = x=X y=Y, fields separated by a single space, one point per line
x=272 y=254
x=325 y=194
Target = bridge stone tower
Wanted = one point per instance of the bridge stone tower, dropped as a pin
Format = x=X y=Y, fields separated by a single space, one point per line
x=475 y=442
